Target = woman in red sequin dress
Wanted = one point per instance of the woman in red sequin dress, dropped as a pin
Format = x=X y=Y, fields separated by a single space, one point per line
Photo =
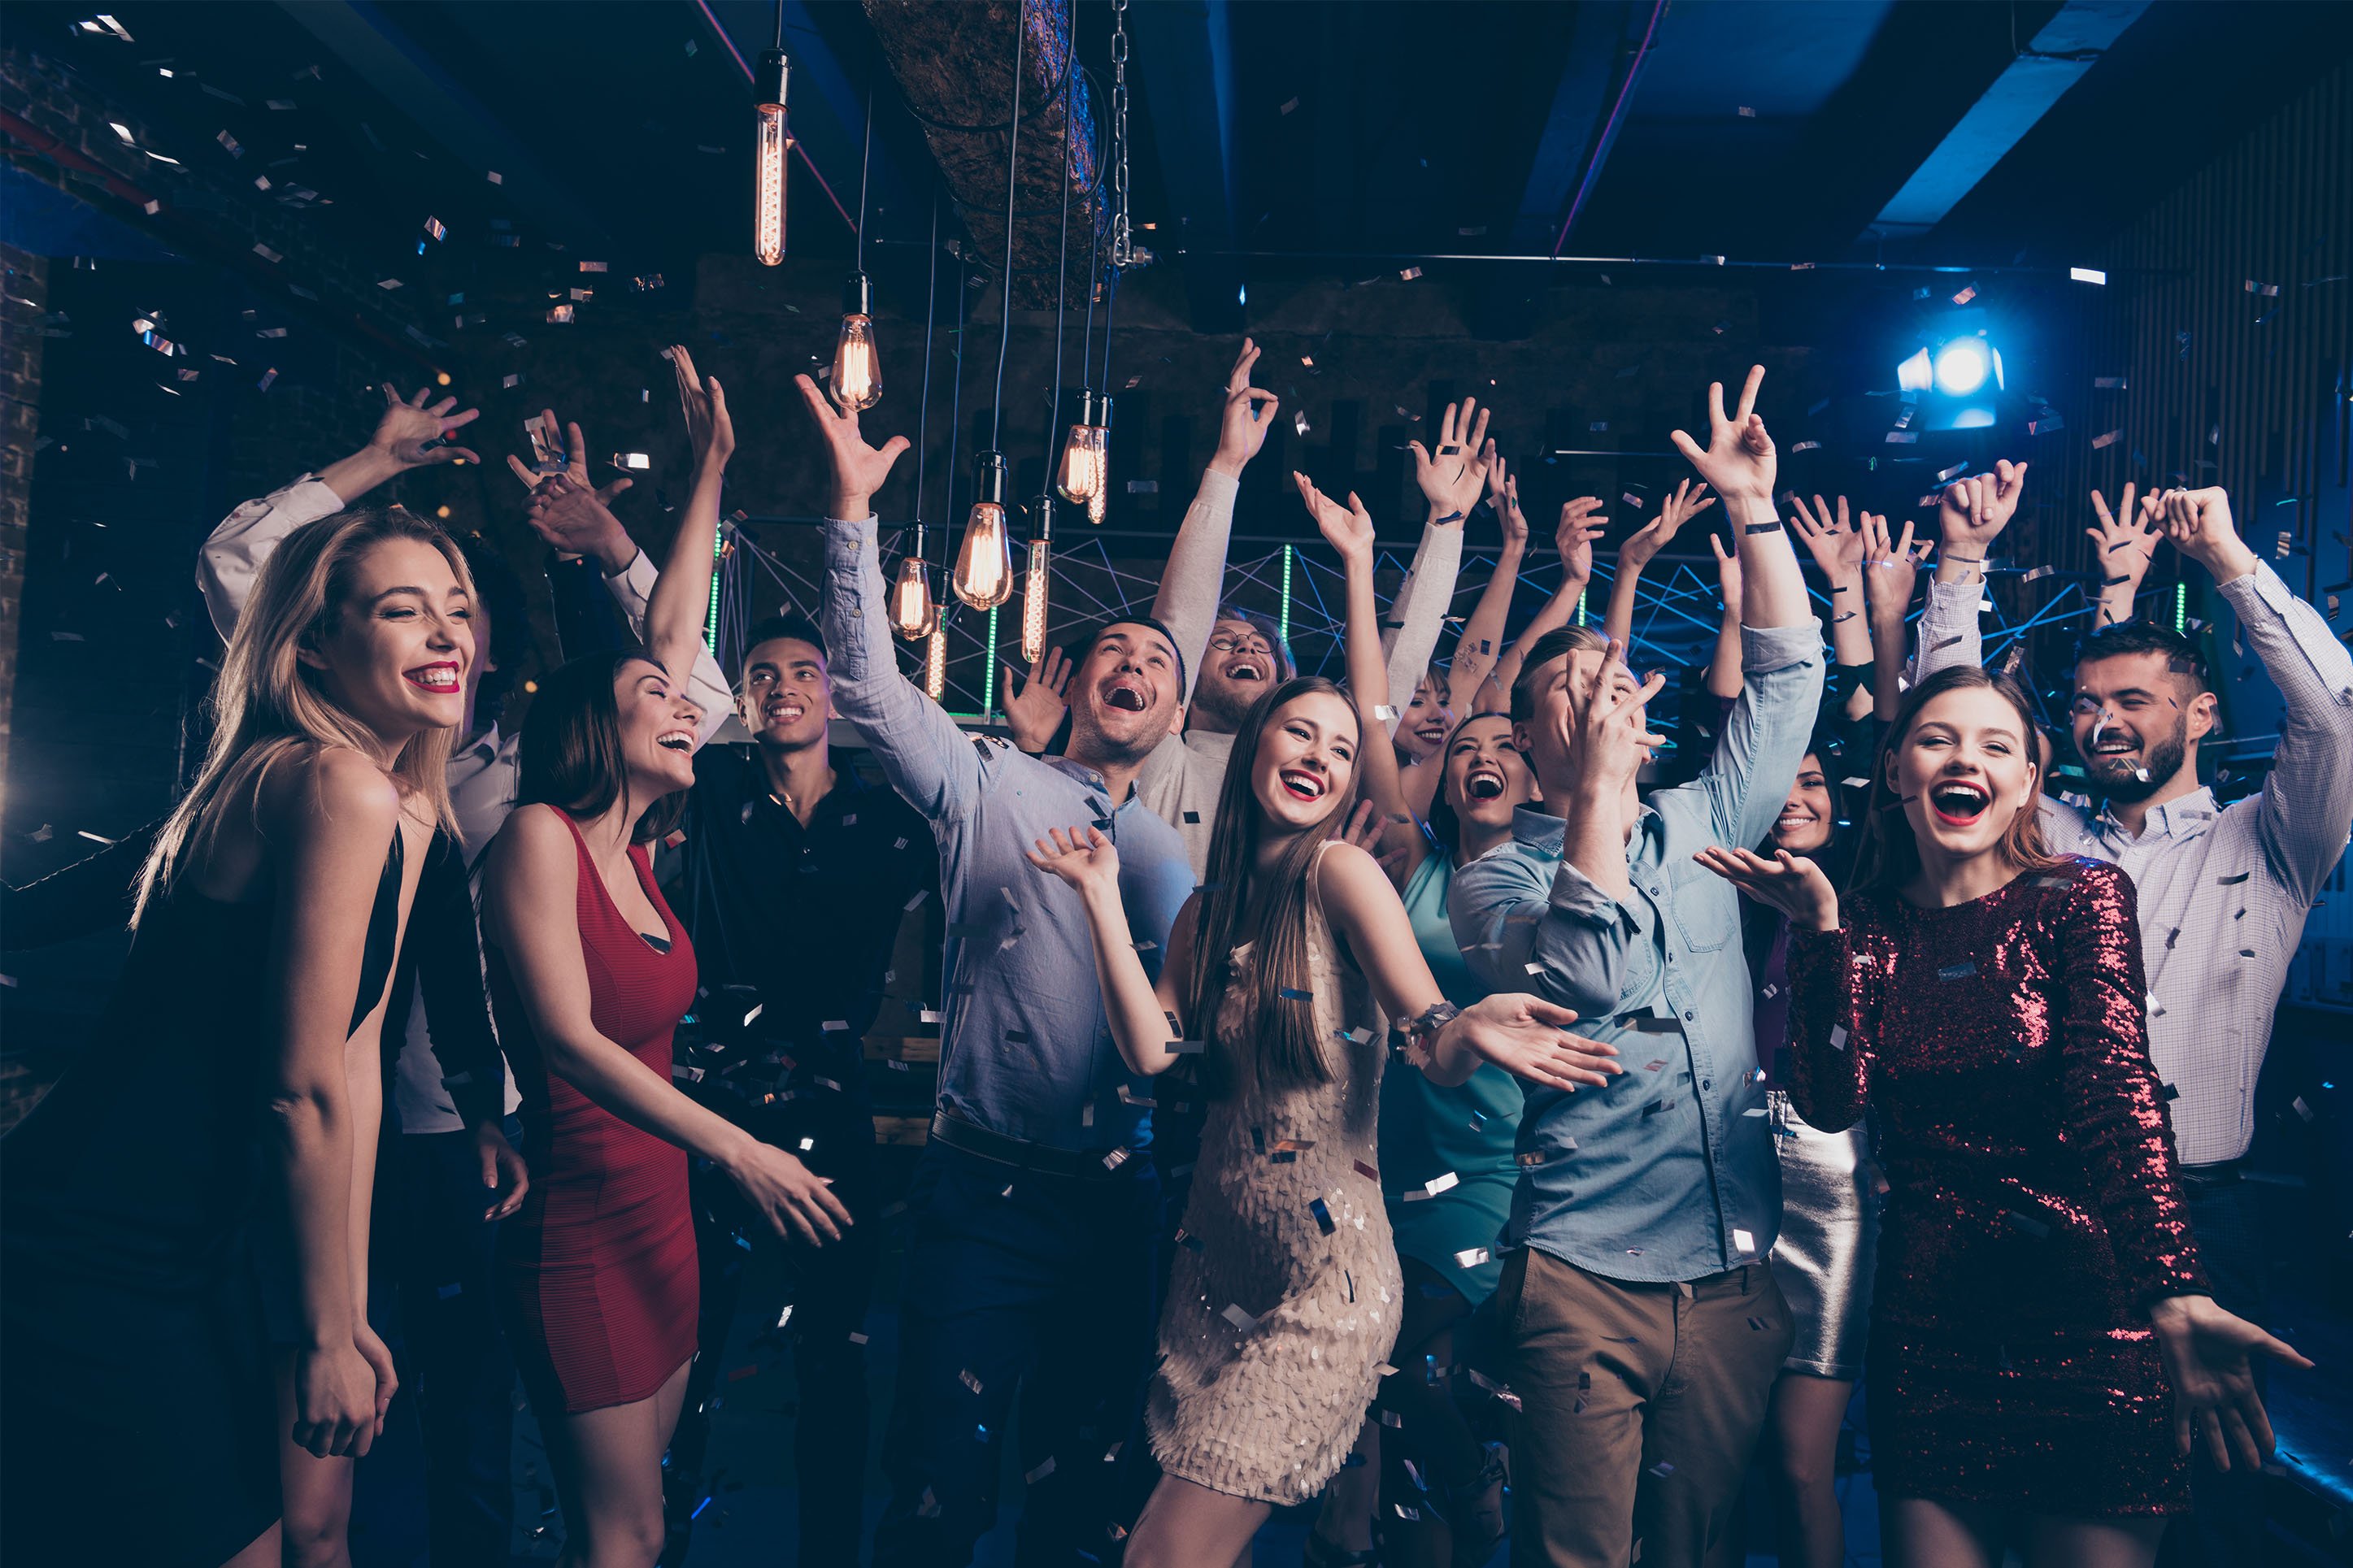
x=590 y=974
x=2038 y=1289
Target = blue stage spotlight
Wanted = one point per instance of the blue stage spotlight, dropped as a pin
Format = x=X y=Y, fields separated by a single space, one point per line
x=1963 y=365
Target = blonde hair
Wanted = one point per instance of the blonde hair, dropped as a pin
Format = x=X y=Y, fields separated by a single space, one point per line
x=267 y=704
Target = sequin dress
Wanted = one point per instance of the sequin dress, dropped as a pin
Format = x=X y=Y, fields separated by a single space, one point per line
x=1284 y=1296
x=2032 y=1213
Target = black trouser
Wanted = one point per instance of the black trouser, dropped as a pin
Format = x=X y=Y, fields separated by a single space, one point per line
x=458 y=1366
x=1018 y=1281
x=2224 y=1526
x=826 y=1289
x=1424 y=1424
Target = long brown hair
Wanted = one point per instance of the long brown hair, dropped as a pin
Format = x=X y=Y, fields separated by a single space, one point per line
x=1890 y=855
x=1279 y=1040
x=267 y=704
x=572 y=756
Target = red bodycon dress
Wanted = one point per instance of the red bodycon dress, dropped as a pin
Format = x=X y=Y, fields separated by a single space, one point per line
x=2033 y=1214
x=596 y=1277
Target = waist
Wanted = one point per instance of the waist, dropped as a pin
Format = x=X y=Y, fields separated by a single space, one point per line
x=1020 y=1153
x=2209 y=1178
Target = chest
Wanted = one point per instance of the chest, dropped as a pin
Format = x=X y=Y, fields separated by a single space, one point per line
x=1980 y=1002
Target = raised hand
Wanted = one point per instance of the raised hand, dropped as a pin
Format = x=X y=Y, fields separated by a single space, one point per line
x=1248 y=415
x=1528 y=1038
x=1836 y=545
x=1603 y=733
x=415 y=433
x=1451 y=481
x=1789 y=883
x=1347 y=529
x=1503 y=495
x=2198 y=523
x=1739 y=460
x=1687 y=500
x=1970 y=516
x=858 y=469
x=709 y=430
x=574 y=520
x=1890 y=568
x=1083 y=857
x=2126 y=543
x=2208 y=1354
x=1034 y=710
x=1575 y=535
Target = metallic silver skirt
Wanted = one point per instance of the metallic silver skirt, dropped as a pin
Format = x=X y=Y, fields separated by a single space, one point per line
x=1830 y=1240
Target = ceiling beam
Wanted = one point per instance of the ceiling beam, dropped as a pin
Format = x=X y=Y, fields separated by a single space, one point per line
x=2058 y=58
x=1184 y=56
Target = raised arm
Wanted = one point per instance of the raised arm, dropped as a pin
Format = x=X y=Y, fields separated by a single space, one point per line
x=1481 y=645
x=1349 y=531
x=2308 y=801
x=1890 y=567
x=331 y=819
x=1838 y=547
x=674 y=617
x=933 y=764
x=1970 y=516
x=530 y=887
x=411 y=435
x=2125 y=542
x=1641 y=546
x=1193 y=579
x=1756 y=756
x=1147 y=1020
x=1573 y=539
x=1724 y=664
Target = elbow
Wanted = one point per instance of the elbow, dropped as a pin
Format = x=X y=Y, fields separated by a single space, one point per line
x=299 y=1116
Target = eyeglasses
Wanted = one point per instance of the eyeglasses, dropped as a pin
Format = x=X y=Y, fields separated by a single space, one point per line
x=1228 y=643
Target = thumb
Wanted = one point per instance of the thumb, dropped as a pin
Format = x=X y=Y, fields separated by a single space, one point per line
x=491 y=1168
x=894 y=446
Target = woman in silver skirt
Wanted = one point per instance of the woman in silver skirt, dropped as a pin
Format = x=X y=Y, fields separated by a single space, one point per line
x=1830 y=1211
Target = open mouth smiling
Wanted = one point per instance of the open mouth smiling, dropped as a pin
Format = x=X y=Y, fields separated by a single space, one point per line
x=440 y=677
x=1302 y=783
x=1245 y=668
x=1125 y=694
x=1958 y=802
x=675 y=740
x=784 y=714
x=1486 y=783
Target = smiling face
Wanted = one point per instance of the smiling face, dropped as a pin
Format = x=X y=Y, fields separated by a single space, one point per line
x=1486 y=776
x=786 y=695
x=1126 y=695
x=2136 y=723
x=1964 y=771
x=657 y=728
x=1808 y=815
x=1428 y=717
x=1239 y=668
x=1306 y=761
x=397 y=651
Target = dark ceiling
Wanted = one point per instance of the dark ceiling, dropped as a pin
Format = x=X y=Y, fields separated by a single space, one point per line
x=1315 y=138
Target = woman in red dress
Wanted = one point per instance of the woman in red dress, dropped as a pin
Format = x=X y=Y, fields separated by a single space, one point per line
x=2038 y=1287
x=590 y=973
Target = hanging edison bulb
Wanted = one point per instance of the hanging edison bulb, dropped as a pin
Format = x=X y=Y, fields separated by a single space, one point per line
x=774 y=145
x=1038 y=585
x=856 y=369
x=913 y=611
x=936 y=664
x=983 y=568
x=1085 y=470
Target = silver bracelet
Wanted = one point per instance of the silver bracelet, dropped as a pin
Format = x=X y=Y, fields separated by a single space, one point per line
x=1424 y=1029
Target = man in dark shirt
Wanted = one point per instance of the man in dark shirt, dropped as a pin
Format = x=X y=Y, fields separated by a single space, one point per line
x=794 y=879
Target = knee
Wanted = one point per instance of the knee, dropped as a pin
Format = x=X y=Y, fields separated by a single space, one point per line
x=316 y=1538
x=634 y=1541
x=1804 y=1468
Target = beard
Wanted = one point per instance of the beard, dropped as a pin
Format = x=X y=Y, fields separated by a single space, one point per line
x=2128 y=783
x=1221 y=704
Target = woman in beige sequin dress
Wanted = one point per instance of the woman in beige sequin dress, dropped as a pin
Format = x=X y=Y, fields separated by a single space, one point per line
x=1285 y=1298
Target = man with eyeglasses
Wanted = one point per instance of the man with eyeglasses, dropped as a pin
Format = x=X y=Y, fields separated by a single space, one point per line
x=2224 y=891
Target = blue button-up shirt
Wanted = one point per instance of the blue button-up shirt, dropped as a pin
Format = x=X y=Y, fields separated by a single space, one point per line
x=1669 y=1173
x=1024 y=1045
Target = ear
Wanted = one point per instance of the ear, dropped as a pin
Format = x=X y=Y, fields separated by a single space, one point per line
x=1525 y=742
x=309 y=656
x=2204 y=714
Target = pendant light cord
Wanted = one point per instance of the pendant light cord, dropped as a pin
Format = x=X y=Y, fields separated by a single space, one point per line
x=955 y=415
x=1012 y=176
x=865 y=169
x=1061 y=270
x=923 y=410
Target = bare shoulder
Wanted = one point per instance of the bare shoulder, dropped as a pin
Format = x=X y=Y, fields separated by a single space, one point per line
x=327 y=789
x=532 y=836
x=1351 y=881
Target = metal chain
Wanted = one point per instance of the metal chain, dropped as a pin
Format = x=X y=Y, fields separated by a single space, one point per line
x=1123 y=239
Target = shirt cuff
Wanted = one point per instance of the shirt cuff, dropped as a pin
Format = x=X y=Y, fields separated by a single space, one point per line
x=1218 y=487
x=2260 y=586
x=1573 y=894
x=1764 y=649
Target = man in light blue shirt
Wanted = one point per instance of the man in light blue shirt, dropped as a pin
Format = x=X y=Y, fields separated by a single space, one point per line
x=1036 y=1212
x=1646 y=1328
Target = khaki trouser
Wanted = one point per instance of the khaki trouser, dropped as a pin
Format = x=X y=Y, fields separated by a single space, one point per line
x=1640 y=1406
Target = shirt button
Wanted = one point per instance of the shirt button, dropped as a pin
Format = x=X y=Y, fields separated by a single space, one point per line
x=1690 y=1017
x=1707 y=1083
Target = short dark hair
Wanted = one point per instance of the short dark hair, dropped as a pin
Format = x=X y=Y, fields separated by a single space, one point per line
x=1267 y=626
x=1084 y=643
x=2182 y=655
x=787 y=624
x=571 y=755
x=1550 y=647
x=498 y=593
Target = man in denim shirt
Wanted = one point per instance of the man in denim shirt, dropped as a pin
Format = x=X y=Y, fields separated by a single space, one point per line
x=1036 y=1214
x=1645 y=1325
